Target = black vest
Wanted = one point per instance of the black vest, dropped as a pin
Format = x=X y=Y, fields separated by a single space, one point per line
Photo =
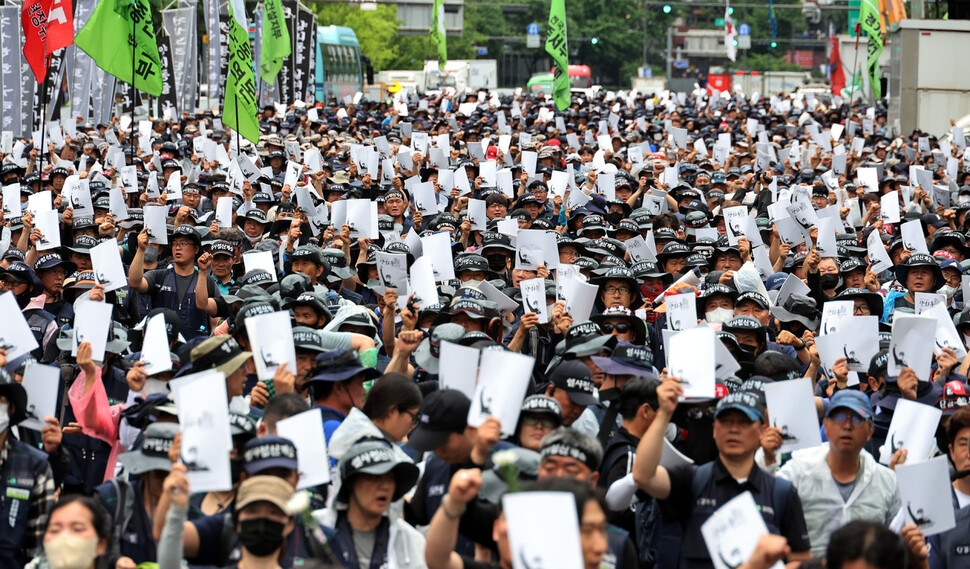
x=20 y=471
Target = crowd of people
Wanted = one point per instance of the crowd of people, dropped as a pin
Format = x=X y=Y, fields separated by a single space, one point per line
x=761 y=210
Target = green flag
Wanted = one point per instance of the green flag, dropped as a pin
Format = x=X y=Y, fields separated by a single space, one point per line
x=869 y=19
x=438 y=33
x=108 y=37
x=276 y=40
x=557 y=48
x=239 y=106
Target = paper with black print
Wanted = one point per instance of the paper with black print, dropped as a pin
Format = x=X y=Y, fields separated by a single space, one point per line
x=155 y=224
x=922 y=493
x=15 y=335
x=878 y=257
x=271 y=337
x=41 y=382
x=731 y=533
x=458 y=368
x=92 y=322
x=861 y=336
x=311 y=447
x=11 y=201
x=155 y=346
x=681 y=311
x=913 y=427
x=534 y=298
x=422 y=285
x=109 y=270
x=734 y=222
x=259 y=260
x=791 y=408
x=946 y=333
x=909 y=346
x=833 y=313
x=437 y=248
x=543 y=530
x=392 y=271
x=912 y=234
x=203 y=412
x=503 y=379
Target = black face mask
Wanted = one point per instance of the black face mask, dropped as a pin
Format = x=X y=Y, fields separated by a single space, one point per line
x=614 y=217
x=828 y=281
x=703 y=187
x=261 y=536
x=497 y=263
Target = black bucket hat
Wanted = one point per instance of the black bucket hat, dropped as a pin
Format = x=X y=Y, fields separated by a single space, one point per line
x=920 y=260
x=798 y=308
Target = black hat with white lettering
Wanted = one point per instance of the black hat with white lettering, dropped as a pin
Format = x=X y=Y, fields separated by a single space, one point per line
x=153 y=452
x=376 y=457
x=267 y=452
x=576 y=380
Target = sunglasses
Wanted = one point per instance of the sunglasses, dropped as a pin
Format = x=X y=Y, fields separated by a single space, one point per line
x=546 y=422
x=621 y=327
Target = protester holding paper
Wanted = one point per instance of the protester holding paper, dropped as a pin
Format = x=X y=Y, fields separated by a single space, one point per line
x=738 y=422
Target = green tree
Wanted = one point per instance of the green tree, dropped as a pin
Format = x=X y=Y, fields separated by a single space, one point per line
x=376 y=30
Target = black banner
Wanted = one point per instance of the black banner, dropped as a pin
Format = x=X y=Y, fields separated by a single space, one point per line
x=303 y=75
x=216 y=99
x=169 y=96
x=287 y=85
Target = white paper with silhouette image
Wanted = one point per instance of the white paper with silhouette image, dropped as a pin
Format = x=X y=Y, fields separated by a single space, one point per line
x=422 y=286
x=861 y=335
x=109 y=270
x=833 y=313
x=155 y=349
x=392 y=271
x=923 y=502
x=458 y=368
x=543 y=530
x=271 y=336
x=691 y=359
x=15 y=335
x=580 y=297
x=681 y=311
x=503 y=380
x=946 y=333
x=203 y=412
x=534 y=298
x=913 y=428
x=437 y=249
x=311 y=446
x=155 y=224
x=48 y=223
x=92 y=322
x=912 y=234
x=910 y=346
x=731 y=533
x=791 y=408
x=41 y=383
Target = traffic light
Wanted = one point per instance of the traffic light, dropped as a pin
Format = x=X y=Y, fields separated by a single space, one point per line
x=594 y=41
x=667 y=8
x=730 y=10
x=774 y=44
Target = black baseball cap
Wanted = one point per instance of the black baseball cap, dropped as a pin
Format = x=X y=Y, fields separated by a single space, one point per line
x=442 y=412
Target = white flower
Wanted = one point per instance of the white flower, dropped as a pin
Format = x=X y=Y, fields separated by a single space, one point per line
x=299 y=502
x=504 y=458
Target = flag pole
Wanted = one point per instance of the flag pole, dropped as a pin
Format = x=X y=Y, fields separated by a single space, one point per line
x=235 y=98
x=134 y=91
x=855 y=65
x=43 y=116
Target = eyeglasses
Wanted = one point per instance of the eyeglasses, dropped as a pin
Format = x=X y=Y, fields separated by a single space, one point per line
x=863 y=309
x=843 y=418
x=182 y=244
x=621 y=327
x=545 y=422
x=617 y=289
x=414 y=417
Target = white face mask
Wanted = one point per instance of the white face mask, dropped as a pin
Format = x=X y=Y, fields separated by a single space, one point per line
x=4 y=417
x=947 y=291
x=719 y=315
x=69 y=551
x=155 y=386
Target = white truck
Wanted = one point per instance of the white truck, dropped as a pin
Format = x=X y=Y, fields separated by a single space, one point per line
x=474 y=74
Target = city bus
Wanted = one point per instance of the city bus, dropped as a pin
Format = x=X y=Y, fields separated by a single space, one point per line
x=339 y=71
